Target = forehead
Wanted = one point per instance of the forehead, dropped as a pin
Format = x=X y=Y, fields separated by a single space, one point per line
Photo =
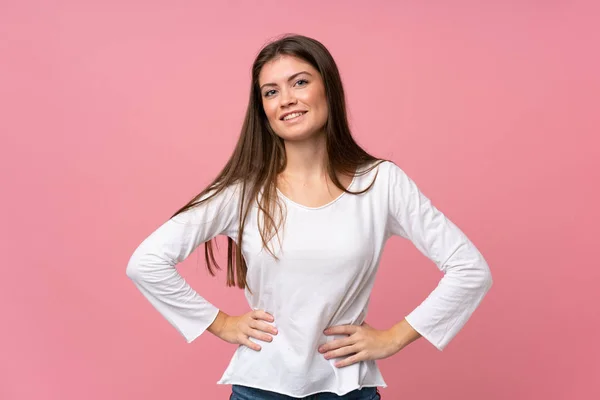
x=282 y=67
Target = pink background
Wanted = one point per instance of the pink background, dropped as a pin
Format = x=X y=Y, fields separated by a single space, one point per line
x=115 y=113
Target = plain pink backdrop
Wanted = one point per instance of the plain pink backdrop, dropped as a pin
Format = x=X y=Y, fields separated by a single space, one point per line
x=115 y=113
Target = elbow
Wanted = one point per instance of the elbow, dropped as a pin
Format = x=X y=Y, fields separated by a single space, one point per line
x=472 y=272
x=145 y=266
x=486 y=279
x=134 y=270
x=475 y=274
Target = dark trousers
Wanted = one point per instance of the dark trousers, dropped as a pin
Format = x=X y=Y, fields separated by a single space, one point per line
x=247 y=393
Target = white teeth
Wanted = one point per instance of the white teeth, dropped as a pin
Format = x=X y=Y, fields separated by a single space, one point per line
x=294 y=115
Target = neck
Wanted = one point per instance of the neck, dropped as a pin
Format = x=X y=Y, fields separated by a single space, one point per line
x=307 y=159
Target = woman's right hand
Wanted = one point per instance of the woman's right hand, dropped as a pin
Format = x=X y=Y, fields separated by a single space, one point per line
x=239 y=330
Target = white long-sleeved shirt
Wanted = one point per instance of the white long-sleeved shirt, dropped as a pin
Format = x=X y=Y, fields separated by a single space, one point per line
x=328 y=258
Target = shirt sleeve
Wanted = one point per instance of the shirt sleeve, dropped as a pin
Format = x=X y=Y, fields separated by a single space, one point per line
x=152 y=265
x=467 y=277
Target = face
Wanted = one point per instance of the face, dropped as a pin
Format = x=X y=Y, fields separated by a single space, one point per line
x=293 y=97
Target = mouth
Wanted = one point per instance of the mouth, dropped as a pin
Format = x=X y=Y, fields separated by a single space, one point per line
x=293 y=116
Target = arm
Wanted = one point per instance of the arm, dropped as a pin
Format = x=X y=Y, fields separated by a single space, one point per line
x=152 y=265
x=467 y=277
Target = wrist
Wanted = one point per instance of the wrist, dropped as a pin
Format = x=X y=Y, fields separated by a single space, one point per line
x=216 y=328
x=403 y=334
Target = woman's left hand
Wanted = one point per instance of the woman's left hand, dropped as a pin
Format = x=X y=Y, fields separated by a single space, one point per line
x=363 y=342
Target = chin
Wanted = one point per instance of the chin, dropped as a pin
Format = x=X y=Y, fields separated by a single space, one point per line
x=298 y=136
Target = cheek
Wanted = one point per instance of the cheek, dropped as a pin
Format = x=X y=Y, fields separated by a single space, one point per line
x=269 y=111
x=322 y=106
x=320 y=100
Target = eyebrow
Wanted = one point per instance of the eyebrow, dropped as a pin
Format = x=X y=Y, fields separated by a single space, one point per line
x=289 y=79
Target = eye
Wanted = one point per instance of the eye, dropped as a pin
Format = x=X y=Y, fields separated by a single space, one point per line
x=303 y=81
x=268 y=93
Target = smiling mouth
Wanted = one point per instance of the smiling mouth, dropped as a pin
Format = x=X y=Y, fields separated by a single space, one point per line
x=293 y=116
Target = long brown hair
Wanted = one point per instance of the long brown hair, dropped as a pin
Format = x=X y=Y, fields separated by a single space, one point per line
x=259 y=155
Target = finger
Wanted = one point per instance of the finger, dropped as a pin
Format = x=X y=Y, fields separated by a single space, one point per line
x=263 y=326
x=344 y=351
x=256 y=334
x=341 y=330
x=250 y=344
x=260 y=314
x=336 y=344
x=349 y=361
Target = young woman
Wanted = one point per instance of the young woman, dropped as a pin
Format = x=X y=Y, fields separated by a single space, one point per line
x=307 y=213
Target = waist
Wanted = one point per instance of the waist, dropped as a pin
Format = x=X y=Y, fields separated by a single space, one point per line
x=287 y=370
x=247 y=392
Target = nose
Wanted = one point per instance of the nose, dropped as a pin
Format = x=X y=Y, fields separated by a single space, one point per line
x=287 y=98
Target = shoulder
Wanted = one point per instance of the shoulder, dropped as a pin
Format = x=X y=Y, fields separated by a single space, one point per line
x=216 y=197
x=218 y=192
x=384 y=178
x=372 y=176
x=384 y=169
x=392 y=173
